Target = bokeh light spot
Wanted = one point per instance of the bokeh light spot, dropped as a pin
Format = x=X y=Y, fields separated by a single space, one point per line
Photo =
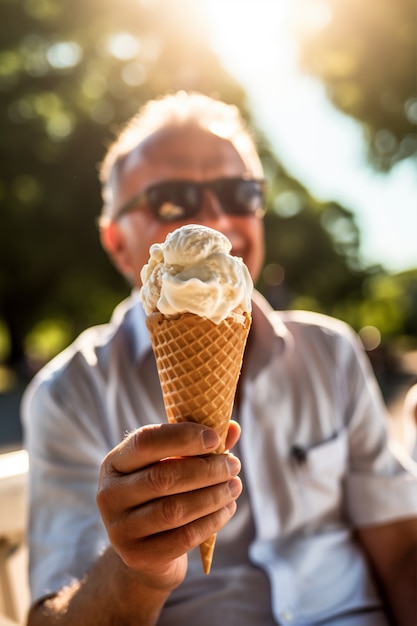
x=94 y=85
x=64 y=54
x=60 y=126
x=411 y=110
x=370 y=337
x=123 y=46
x=102 y=112
x=20 y=110
x=288 y=203
x=273 y=274
x=134 y=74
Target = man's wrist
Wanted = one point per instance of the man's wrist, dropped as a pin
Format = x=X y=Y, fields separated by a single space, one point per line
x=136 y=591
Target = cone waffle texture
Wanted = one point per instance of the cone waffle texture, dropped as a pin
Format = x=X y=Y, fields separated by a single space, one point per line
x=199 y=364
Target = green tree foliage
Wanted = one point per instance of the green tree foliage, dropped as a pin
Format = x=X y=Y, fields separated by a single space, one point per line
x=69 y=72
x=312 y=250
x=366 y=57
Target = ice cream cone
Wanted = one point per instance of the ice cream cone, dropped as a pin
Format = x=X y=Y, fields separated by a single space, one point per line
x=199 y=364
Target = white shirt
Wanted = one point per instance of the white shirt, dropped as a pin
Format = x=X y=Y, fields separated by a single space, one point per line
x=313 y=448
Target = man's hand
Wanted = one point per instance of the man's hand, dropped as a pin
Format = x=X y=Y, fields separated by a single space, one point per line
x=161 y=493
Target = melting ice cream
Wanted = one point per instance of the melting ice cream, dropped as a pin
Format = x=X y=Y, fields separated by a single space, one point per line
x=194 y=272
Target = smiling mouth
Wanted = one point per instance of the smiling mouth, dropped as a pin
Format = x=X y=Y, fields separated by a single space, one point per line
x=239 y=253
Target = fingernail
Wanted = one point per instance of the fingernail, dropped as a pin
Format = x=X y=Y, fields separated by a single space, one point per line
x=234 y=487
x=231 y=507
x=210 y=439
x=234 y=465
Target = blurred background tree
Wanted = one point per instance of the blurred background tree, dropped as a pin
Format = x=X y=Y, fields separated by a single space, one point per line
x=366 y=57
x=69 y=71
x=70 y=74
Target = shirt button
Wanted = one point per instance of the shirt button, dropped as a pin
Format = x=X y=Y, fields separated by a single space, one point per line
x=287 y=615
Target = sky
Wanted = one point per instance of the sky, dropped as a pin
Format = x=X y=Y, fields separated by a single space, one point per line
x=254 y=40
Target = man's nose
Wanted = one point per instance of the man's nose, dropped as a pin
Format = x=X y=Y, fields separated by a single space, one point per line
x=211 y=207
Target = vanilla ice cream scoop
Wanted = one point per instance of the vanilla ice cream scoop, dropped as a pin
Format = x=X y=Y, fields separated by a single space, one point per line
x=194 y=272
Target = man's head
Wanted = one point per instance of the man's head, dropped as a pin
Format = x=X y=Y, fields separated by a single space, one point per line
x=154 y=179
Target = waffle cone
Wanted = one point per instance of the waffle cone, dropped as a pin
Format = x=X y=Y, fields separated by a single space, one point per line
x=199 y=364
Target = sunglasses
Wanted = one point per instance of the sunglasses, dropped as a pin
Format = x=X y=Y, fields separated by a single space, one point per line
x=176 y=200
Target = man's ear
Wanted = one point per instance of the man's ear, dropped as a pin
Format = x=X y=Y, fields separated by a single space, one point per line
x=114 y=243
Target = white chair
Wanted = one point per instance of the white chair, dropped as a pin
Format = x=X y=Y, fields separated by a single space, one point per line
x=14 y=593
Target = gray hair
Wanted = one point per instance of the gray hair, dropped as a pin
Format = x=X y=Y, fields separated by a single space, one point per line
x=181 y=108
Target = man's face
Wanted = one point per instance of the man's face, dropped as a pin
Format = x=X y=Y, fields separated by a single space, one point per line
x=180 y=153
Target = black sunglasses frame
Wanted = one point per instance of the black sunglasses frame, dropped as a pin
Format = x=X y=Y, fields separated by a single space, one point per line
x=219 y=186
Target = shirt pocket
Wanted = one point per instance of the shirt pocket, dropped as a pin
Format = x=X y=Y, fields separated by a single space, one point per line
x=320 y=476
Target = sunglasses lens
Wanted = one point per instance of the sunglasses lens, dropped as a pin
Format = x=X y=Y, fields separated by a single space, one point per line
x=240 y=197
x=174 y=201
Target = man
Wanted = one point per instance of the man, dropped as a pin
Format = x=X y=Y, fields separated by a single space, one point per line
x=324 y=503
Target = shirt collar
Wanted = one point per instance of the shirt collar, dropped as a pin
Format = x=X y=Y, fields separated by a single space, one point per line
x=268 y=334
x=142 y=337
x=131 y=315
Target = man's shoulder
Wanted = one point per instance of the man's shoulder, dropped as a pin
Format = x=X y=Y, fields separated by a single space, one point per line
x=300 y=320
x=315 y=321
x=322 y=337
x=90 y=354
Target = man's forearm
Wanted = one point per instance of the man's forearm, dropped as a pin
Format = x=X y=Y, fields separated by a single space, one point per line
x=392 y=551
x=108 y=595
x=402 y=591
